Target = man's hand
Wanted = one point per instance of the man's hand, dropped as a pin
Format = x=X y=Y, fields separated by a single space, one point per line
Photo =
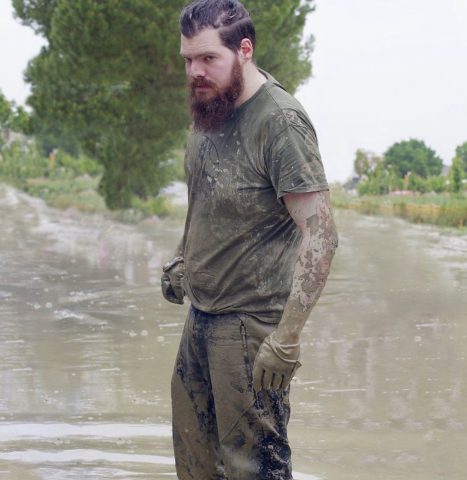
x=275 y=364
x=171 y=280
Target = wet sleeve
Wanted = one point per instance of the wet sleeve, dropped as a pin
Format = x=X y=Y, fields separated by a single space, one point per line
x=293 y=158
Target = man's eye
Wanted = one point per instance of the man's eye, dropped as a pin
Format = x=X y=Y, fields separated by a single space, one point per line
x=209 y=58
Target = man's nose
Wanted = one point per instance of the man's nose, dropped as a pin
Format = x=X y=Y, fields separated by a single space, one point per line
x=196 y=70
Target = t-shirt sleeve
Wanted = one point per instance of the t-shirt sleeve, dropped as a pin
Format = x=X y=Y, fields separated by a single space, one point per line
x=293 y=159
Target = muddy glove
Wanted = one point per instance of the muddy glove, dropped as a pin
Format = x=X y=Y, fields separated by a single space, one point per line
x=171 y=280
x=275 y=364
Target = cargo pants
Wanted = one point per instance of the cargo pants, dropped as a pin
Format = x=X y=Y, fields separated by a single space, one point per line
x=222 y=429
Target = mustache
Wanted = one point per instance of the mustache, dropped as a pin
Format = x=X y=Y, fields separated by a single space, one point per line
x=201 y=82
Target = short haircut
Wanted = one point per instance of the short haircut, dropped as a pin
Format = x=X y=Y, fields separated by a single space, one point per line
x=229 y=17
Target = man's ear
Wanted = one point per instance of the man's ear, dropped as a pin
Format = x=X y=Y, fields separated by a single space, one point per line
x=246 y=49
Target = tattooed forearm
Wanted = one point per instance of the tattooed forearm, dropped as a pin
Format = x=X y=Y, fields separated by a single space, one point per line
x=319 y=243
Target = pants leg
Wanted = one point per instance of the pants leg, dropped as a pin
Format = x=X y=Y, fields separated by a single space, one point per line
x=252 y=428
x=196 y=444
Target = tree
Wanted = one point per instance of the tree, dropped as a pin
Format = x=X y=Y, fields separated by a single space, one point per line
x=281 y=49
x=111 y=80
x=13 y=117
x=456 y=174
x=412 y=156
x=461 y=156
x=5 y=111
x=365 y=162
x=361 y=163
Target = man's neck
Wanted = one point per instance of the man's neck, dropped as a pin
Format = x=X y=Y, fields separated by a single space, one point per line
x=253 y=79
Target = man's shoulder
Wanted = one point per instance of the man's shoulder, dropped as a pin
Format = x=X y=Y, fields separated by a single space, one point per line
x=280 y=109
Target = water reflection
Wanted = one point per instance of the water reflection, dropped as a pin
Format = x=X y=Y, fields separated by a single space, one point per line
x=87 y=345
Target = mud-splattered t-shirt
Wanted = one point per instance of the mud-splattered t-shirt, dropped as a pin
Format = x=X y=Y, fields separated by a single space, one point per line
x=240 y=242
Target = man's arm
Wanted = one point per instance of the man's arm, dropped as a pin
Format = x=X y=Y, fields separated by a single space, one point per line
x=277 y=358
x=312 y=213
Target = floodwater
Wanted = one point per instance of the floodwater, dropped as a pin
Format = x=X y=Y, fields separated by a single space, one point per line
x=87 y=345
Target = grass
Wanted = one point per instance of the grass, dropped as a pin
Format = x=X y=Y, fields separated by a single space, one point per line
x=444 y=209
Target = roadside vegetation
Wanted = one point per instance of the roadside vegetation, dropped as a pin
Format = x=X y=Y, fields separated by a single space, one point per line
x=409 y=181
x=438 y=209
x=64 y=181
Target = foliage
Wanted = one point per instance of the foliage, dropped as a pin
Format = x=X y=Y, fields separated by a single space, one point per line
x=461 y=157
x=456 y=174
x=361 y=163
x=64 y=181
x=111 y=81
x=436 y=184
x=412 y=156
x=13 y=117
x=380 y=181
x=279 y=31
x=445 y=210
x=365 y=162
x=19 y=164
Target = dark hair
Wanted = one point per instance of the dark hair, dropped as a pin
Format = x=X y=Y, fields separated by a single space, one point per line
x=230 y=17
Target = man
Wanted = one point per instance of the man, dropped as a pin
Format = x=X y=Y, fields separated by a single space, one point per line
x=255 y=255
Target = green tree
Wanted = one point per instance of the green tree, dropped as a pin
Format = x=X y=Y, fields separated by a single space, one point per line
x=361 y=163
x=111 y=80
x=456 y=174
x=461 y=155
x=365 y=162
x=380 y=181
x=13 y=117
x=413 y=156
x=281 y=48
x=5 y=112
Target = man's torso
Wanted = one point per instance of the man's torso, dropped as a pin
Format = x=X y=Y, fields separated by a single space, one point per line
x=240 y=243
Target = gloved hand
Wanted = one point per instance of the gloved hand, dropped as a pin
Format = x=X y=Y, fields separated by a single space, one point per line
x=171 y=280
x=275 y=364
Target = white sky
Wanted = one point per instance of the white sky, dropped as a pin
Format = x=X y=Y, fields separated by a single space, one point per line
x=383 y=71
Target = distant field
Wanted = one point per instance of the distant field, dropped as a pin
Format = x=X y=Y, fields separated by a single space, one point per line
x=437 y=209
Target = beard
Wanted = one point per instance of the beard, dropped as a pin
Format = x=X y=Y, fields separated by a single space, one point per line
x=210 y=113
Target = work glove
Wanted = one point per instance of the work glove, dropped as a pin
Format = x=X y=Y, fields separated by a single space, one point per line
x=275 y=364
x=171 y=280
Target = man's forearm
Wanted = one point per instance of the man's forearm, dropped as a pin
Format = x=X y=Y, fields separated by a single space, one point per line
x=317 y=248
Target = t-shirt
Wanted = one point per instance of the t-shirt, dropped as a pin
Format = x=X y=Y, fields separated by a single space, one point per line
x=240 y=243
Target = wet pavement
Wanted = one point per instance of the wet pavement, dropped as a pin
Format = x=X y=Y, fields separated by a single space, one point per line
x=87 y=346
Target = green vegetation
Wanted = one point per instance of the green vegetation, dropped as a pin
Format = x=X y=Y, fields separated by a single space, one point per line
x=111 y=83
x=410 y=166
x=406 y=181
x=64 y=181
x=12 y=117
x=412 y=156
x=443 y=210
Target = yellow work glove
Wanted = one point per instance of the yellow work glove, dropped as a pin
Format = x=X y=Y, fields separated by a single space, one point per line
x=171 y=280
x=275 y=364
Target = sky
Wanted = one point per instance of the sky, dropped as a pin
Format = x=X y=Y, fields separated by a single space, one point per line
x=383 y=71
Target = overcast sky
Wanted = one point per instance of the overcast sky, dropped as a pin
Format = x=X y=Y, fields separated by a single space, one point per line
x=383 y=71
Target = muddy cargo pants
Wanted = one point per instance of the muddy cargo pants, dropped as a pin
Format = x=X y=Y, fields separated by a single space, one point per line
x=221 y=429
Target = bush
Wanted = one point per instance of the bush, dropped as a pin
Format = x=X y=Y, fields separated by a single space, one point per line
x=437 y=184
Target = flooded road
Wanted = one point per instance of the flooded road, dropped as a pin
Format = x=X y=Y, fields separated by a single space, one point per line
x=87 y=345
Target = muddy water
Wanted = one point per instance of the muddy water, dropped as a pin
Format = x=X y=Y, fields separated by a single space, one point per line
x=87 y=345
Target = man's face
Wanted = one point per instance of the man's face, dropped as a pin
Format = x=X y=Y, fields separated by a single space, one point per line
x=215 y=78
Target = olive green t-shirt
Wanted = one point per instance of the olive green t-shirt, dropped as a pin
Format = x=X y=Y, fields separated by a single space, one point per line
x=240 y=243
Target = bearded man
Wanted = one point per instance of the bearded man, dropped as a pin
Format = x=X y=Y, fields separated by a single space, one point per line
x=255 y=255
